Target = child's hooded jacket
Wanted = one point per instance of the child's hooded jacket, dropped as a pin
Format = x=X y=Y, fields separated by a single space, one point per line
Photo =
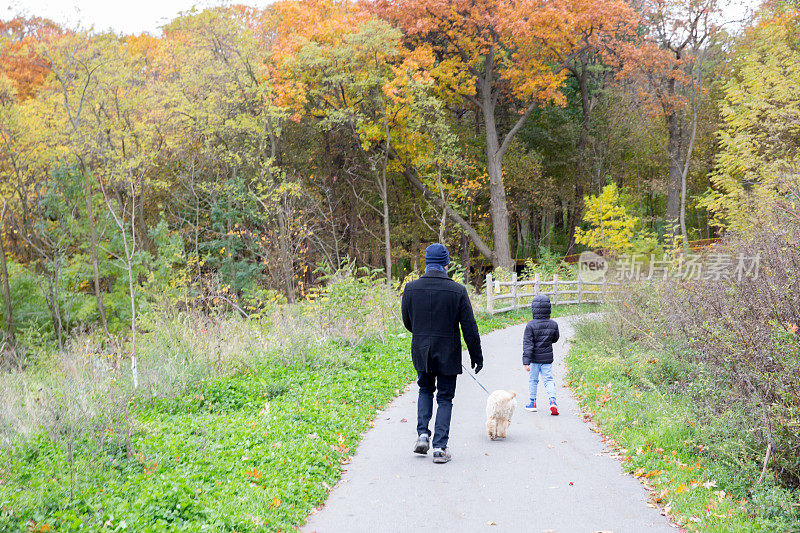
x=540 y=333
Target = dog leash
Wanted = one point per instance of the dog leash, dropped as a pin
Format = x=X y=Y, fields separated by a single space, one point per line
x=476 y=379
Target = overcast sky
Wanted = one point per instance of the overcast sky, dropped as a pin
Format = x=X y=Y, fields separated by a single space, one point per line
x=122 y=16
x=136 y=16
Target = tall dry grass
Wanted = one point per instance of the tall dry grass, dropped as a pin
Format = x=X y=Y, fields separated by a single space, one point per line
x=87 y=387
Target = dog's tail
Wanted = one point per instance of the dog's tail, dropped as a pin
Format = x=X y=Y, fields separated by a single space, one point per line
x=512 y=393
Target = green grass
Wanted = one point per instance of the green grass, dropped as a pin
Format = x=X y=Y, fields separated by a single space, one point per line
x=632 y=394
x=214 y=459
x=487 y=322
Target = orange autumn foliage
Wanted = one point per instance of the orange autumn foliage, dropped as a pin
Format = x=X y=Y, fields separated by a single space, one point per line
x=463 y=33
x=19 y=60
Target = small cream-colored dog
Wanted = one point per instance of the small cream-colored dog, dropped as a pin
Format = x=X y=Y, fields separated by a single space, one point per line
x=499 y=408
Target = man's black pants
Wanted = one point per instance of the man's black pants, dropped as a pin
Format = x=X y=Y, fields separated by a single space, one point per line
x=446 y=390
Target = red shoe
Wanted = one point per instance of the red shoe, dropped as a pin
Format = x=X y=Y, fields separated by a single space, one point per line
x=553 y=408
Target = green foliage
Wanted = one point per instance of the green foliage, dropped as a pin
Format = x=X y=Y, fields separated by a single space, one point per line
x=354 y=302
x=547 y=264
x=33 y=322
x=701 y=467
x=219 y=459
x=761 y=121
x=232 y=253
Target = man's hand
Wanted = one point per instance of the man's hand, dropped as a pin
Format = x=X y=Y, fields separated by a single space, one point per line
x=476 y=367
x=527 y=368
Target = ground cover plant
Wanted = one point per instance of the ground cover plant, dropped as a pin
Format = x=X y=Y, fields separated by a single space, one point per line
x=238 y=425
x=628 y=390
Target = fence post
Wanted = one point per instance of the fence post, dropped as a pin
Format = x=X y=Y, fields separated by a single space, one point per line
x=555 y=289
x=514 y=290
x=579 y=288
x=536 y=284
x=605 y=281
x=489 y=294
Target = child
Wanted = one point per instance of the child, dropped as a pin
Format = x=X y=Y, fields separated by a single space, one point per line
x=537 y=351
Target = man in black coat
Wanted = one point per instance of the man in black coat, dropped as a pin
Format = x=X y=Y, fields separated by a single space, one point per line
x=433 y=308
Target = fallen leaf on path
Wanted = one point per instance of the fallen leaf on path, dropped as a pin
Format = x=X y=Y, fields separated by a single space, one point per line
x=490 y=523
x=403 y=420
x=571 y=483
x=550 y=446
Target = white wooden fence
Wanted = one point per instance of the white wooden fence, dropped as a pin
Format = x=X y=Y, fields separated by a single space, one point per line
x=560 y=291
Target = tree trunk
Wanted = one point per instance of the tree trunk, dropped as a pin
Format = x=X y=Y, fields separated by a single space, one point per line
x=525 y=236
x=386 y=230
x=674 y=149
x=129 y=251
x=443 y=222
x=546 y=230
x=384 y=190
x=688 y=159
x=416 y=245
x=465 y=256
x=286 y=259
x=87 y=193
x=9 y=336
x=482 y=247
x=55 y=309
x=498 y=207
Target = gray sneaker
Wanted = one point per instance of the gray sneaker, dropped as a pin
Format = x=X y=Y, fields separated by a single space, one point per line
x=423 y=444
x=441 y=455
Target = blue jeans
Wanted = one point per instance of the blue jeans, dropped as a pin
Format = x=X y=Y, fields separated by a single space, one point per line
x=445 y=388
x=546 y=371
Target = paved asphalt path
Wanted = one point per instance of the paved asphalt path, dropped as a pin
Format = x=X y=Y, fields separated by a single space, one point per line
x=550 y=475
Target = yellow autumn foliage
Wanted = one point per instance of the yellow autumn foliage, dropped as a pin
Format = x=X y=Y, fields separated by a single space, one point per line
x=609 y=225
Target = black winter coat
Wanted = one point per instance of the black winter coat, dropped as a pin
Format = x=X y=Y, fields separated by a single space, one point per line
x=540 y=334
x=433 y=308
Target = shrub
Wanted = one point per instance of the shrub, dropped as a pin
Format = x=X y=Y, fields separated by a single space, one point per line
x=740 y=337
x=609 y=225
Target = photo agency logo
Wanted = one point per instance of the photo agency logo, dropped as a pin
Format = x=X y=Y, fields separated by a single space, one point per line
x=690 y=267
x=592 y=267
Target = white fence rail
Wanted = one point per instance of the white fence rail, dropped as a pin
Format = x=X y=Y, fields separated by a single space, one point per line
x=560 y=291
